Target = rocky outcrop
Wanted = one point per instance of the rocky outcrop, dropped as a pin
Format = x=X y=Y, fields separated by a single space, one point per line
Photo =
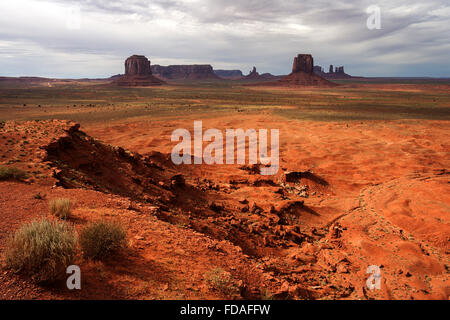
x=318 y=69
x=185 y=72
x=303 y=63
x=254 y=75
x=334 y=72
x=303 y=73
x=138 y=73
x=229 y=74
x=137 y=65
x=340 y=69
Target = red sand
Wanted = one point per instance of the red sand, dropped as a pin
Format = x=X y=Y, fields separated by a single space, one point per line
x=378 y=194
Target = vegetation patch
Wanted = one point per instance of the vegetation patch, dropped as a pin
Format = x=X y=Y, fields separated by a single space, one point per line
x=42 y=249
x=222 y=281
x=60 y=208
x=101 y=239
x=12 y=173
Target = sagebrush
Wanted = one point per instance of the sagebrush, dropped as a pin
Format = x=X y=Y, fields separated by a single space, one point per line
x=12 y=173
x=101 y=239
x=61 y=207
x=42 y=249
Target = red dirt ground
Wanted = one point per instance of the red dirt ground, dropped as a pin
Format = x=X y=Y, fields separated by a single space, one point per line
x=375 y=193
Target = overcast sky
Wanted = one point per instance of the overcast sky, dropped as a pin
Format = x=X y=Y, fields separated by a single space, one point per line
x=49 y=38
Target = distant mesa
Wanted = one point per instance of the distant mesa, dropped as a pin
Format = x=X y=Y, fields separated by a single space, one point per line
x=229 y=74
x=138 y=73
x=254 y=75
x=303 y=73
x=334 y=73
x=185 y=72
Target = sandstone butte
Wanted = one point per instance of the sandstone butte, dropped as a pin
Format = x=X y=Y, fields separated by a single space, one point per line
x=303 y=73
x=138 y=73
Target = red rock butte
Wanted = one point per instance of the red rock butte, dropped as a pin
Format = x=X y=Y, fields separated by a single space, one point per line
x=303 y=73
x=138 y=73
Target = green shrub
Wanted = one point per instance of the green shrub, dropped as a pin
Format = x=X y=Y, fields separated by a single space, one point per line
x=42 y=249
x=101 y=239
x=60 y=207
x=12 y=173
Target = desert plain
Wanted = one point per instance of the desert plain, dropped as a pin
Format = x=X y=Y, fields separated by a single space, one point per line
x=363 y=181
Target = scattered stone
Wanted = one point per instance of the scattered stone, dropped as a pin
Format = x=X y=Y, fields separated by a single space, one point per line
x=177 y=181
x=216 y=207
x=256 y=210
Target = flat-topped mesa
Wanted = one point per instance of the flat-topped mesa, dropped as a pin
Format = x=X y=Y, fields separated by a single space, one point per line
x=138 y=73
x=185 y=72
x=137 y=65
x=303 y=62
x=229 y=74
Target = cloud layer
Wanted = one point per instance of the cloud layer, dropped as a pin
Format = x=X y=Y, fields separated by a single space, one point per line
x=92 y=38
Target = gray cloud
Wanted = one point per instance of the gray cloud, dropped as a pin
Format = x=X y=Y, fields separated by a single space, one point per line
x=414 y=39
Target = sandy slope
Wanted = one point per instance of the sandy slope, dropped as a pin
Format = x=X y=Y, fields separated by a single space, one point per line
x=377 y=194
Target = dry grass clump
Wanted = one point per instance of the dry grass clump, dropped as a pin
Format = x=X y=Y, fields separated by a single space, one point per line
x=12 y=173
x=42 y=249
x=60 y=207
x=101 y=239
x=222 y=281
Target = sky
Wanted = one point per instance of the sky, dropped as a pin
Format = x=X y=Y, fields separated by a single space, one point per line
x=92 y=38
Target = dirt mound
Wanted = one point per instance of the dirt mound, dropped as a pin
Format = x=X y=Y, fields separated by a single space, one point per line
x=106 y=182
x=304 y=79
x=80 y=161
x=311 y=231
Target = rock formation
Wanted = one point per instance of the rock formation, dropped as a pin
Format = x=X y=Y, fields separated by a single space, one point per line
x=137 y=73
x=254 y=75
x=185 y=72
x=137 y=65
x=229 y=74
x=318 y=69
x=340 y=69
x=334 y=72
x=303 y=73
x=303 y=62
